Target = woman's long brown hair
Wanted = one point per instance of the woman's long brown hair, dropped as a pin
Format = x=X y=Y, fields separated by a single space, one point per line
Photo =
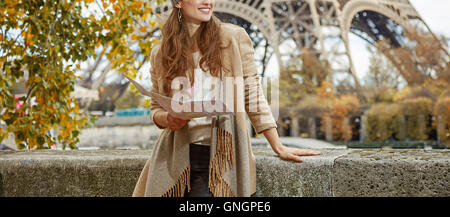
x=177 y=48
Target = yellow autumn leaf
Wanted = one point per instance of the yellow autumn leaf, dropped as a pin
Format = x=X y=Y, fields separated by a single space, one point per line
x=103 y=51
x=137 y=4
x=153 y=24
x=155 y=41
x=134 y=37
x=69 y=125
x=29 y=42
x=122 y=60
x=116 y=8
x=147 y=103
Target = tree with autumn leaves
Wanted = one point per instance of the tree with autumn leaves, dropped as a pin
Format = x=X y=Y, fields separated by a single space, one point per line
x=424 y=57
x=300 y=79
x=44 y=42
x=304 y=86
x=424 y=64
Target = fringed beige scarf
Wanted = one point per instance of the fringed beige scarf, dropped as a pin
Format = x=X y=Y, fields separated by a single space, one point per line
x=232 y=170
x=223 y=158
x=167 y=172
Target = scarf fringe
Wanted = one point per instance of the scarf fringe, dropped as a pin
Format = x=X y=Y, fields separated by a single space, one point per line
x=222 y=158
x=180 y=186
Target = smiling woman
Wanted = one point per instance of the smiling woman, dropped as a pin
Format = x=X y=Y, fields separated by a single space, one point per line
x=207 y=156
x=196 y=11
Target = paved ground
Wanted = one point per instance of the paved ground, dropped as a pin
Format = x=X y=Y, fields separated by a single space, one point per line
x=298 y=142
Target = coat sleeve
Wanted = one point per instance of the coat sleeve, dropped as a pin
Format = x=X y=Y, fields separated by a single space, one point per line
x=256 y=104
x=154 y=106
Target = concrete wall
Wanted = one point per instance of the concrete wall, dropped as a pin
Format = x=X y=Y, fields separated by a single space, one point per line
x=122 y=132
x=337 y=172
x=111 y=137
x=116 y=132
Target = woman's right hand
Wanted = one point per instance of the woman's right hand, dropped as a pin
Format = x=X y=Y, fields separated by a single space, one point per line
x=174 y=123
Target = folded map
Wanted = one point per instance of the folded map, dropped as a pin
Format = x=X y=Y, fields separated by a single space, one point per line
x=184 y=109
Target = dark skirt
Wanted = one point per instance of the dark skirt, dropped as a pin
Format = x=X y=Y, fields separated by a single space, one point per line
x=199 y=159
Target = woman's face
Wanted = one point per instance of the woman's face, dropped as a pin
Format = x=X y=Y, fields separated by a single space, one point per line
x=196 y=11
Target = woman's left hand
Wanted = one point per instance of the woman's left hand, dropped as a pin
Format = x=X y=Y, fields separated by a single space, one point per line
x=293 y=154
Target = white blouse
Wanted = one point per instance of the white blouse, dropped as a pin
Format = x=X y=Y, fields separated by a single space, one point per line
x=200 y=128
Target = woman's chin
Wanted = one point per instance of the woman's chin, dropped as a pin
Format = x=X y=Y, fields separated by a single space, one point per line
x=204 y=18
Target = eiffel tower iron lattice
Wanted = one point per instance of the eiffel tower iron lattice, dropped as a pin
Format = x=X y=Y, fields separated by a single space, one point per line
x=320 y=26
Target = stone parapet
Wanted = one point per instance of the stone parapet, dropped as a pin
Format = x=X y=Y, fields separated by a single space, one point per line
x=336 y=172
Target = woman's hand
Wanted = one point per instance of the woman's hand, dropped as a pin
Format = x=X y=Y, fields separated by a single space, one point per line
x=174 y=123
x=293 y=154
x=286 y=153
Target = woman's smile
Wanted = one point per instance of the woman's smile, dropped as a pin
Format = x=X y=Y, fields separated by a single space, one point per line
x=197 y=11
x=205 y=10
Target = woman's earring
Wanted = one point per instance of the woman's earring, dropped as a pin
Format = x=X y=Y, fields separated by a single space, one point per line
x=179 y=15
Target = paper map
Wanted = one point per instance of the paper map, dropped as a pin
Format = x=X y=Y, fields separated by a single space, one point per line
x=184 y=109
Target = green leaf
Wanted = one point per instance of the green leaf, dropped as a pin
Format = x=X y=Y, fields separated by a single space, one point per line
x=40 y=140
x=75 y=133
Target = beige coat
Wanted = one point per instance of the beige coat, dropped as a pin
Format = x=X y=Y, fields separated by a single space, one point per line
x=232 y=165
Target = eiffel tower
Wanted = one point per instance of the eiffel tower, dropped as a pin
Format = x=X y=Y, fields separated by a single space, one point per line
x=320 y=26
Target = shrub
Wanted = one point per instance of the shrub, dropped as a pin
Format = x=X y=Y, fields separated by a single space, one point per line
x=344 y=107
x=417 y=114
x=383 y=122
x=413 y=93
x=442 y=111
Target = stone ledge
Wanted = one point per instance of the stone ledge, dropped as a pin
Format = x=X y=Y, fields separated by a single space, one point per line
x=312 y=177
x=337 y=172
x=387 y=173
